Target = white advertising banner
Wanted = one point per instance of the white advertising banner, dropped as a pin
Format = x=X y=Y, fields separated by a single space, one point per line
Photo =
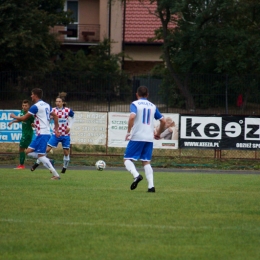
x=117 y=129
x=89 y=128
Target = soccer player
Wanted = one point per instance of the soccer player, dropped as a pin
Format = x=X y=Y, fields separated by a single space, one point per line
x=27 y=133
x=141 y=134
x=66 y=119
x=41 y=112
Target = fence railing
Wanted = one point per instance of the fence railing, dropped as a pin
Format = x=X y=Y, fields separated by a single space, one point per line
x=212 y=94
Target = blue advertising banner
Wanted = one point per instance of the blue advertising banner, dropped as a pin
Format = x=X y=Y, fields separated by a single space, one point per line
x=9 y=134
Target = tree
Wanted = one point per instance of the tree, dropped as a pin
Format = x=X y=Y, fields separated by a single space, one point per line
x=25 y=42
x=211 y=36
x=98 y=73
x=100 y=62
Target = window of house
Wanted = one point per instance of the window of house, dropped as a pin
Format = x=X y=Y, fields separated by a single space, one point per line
x=72 y=5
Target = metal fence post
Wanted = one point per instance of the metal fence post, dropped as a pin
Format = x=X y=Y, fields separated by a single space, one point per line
x=226 y=94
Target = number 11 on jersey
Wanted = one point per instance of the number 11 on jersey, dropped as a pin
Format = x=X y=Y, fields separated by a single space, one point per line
x=146 y=116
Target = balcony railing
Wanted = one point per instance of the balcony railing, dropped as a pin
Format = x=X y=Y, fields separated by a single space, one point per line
x=77 y=33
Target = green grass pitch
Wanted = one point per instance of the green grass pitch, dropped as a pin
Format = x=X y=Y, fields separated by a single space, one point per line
x=94 y=215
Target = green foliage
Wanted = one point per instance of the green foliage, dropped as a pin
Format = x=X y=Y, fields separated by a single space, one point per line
x=26 y=43
x=169 y=91
x=216 y=36
x=96 y=76
x=99 y=60
x=97 y=72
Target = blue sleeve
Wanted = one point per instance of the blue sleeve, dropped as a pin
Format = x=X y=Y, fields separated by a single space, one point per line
x=71 y=113
x=33 y=110
x=133 y=108
x=157 y=114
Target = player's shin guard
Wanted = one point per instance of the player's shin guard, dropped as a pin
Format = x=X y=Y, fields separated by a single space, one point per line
x=66 y=160
x=149 y=175
x=22 y=158
x=46 y=162
x=129 y=165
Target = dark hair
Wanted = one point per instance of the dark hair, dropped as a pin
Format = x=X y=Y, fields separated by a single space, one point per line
x=63 y=101
x=25 y=101
x=62 y=96
x=38 y=92
x=142 y=91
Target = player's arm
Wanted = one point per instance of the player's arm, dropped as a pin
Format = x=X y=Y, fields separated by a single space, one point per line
x=71 y=120
x=14 y=121
x=133 y=111
x=21 y=118
x=131 y=122
x=130 y=125
x=56 y=123
x=158 y=116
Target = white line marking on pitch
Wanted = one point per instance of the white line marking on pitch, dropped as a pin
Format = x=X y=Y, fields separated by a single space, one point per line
x=132 y=225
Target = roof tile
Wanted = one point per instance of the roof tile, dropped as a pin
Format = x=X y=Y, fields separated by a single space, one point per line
x=140 y=21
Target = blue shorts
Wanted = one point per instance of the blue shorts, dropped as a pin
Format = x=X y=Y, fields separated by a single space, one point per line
x=39 y=144
x=137 y=150
x=54 y=141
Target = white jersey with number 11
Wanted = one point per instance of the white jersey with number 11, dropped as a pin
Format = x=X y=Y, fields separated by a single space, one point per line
x=146 y=112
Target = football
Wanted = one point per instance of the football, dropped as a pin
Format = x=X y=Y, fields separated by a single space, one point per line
x=100 y=165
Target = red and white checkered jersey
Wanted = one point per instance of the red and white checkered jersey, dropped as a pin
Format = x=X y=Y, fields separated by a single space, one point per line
x=63 y=119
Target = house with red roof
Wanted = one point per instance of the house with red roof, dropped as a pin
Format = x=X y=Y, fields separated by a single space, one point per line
x=94 y=20
x=129 y=25
x=139 y=24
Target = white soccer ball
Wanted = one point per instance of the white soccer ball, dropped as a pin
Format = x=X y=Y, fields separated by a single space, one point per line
x=100 y=165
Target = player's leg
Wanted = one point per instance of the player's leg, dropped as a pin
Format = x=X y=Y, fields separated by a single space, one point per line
x=66 y=151
x=132 y=152
x=149 y=176
x=37 y=163
x=52 y=143
x=49 y=150
x=46 y=163
x=30 y=151
x=24 y=143
x=21 y=159
x=40 y=145
x=146 y=157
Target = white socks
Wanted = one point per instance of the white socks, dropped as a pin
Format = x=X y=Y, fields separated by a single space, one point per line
x=66 y=160
x=129 y=165
x=149 y=175
x=46 y=162
x=147 y=169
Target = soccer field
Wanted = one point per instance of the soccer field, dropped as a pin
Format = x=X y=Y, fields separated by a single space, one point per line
x=94 y=215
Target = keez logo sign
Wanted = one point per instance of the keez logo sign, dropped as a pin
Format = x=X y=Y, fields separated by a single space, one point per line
x=220 y=132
